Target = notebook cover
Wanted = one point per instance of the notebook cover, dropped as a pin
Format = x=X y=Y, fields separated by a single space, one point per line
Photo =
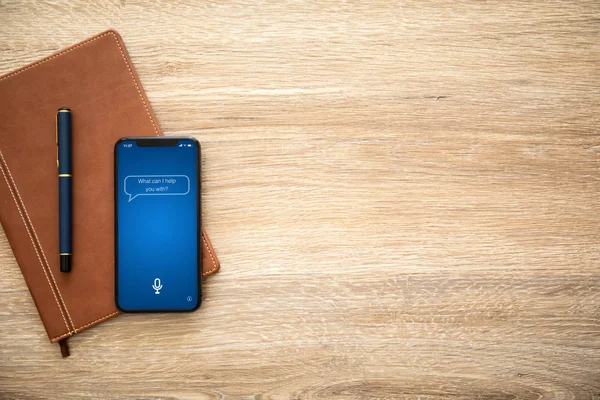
x=96 y=79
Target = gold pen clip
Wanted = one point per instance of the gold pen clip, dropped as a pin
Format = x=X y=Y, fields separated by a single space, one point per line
x=56 y=140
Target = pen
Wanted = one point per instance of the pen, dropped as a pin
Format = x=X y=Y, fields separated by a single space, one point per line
x=65 y=192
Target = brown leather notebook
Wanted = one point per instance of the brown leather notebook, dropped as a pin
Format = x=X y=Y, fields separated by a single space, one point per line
x=96 y=79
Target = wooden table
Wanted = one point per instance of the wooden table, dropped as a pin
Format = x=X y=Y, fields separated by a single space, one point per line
x=404 y=198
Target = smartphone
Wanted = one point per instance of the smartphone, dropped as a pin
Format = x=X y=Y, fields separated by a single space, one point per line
x=158 y=251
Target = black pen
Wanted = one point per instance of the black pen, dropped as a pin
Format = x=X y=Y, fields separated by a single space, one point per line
x=65 y=192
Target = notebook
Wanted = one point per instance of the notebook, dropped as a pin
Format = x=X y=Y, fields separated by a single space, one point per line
x=96 y=79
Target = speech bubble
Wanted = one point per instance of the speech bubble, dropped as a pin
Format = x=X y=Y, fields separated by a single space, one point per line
x=156 y=185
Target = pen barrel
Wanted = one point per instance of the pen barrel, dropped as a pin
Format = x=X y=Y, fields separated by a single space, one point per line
x=63 y=137
x=65 y=190
x=65 y=203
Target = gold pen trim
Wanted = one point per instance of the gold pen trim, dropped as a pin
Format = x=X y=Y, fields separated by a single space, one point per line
x=66 y=254
x=64 y=175
x=64 y=110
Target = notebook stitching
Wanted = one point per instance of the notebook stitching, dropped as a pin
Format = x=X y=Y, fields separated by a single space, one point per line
x=29 y=233
x=87 y=325
x=35 y=64
x=75 y=330
x=68 y=334
x=211 y=257
x=135 y=83
x=39 y=243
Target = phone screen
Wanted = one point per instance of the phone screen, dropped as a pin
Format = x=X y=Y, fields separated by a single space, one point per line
x=158 y=251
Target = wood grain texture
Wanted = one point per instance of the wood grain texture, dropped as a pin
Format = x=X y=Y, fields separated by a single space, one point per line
x=403 y=196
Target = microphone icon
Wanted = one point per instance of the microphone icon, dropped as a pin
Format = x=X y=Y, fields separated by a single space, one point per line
x=157 y=286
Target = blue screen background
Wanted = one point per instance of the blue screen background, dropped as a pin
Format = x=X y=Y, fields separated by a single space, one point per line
x=157 y=234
